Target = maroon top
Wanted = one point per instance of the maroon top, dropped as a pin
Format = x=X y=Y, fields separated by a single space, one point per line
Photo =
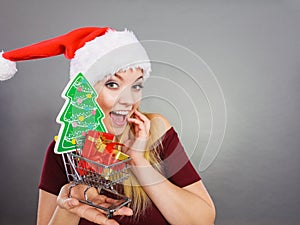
x=177 y=168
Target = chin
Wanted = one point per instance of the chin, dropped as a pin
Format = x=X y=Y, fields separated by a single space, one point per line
x=116 y=130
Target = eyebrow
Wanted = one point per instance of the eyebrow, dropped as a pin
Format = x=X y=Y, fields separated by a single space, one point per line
x=141 y=77
x=122 y=79
x=118 y=76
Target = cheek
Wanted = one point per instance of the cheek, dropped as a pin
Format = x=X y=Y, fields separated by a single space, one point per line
x=106 y=101
x=136 y=105
x=138 y=98
x=135 y=98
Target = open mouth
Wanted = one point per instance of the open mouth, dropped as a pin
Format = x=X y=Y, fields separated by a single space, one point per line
x=119 y=117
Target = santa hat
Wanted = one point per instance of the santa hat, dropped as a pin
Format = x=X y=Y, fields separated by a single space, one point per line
x=93 y=51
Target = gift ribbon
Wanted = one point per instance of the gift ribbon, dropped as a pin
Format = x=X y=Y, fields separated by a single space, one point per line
x=120 y=155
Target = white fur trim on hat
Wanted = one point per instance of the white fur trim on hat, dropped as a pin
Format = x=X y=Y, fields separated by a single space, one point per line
x=7 y=68
x=108 y=54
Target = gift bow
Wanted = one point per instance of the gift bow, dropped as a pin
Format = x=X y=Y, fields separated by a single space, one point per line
x=103 y=143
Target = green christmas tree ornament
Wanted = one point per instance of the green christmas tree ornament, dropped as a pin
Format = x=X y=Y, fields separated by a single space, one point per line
x=79 y=114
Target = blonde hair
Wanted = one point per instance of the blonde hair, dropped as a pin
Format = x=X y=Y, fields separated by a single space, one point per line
x=132 y=188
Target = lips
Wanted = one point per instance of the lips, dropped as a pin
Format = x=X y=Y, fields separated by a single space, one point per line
x=119 y=117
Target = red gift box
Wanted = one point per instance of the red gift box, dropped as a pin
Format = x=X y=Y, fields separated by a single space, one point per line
x=100 y=148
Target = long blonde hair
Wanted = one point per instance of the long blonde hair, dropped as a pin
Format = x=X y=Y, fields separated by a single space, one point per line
x=132 y=188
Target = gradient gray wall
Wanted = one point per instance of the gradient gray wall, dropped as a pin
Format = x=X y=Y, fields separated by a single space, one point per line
x=252 y=47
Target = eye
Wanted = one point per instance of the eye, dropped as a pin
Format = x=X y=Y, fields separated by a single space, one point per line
x=137 y=87
x=111 y=85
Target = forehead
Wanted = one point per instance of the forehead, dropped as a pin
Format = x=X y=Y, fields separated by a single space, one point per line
x=130 y=75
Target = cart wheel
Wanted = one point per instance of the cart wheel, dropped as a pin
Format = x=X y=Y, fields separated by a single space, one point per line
x=110 y=214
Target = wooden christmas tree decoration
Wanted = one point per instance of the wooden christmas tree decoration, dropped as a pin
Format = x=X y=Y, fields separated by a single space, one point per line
x=79 y=114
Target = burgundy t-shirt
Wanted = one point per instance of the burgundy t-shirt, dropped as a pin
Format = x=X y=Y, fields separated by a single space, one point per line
x=177 y=168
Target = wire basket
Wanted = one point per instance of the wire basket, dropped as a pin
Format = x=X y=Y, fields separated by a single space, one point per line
x=81 y=170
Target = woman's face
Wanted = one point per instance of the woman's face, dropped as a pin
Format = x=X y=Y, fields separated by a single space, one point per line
x=118 y=96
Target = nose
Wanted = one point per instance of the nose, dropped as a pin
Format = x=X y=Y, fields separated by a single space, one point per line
x=128 y=97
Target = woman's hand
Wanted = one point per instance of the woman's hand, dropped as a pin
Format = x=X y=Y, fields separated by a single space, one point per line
x=137 y=146
x=141 y=125
x=72 y=205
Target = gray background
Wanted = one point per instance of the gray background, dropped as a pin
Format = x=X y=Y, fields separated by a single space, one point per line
x=253 y=48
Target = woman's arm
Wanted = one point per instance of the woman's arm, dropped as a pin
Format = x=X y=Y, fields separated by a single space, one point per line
x=46 y=207
x=189 y=205
x=50 y=213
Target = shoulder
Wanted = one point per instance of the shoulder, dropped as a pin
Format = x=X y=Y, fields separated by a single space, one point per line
x=159 y=125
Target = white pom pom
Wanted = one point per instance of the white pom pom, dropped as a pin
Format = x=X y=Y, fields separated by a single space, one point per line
x=7 y=68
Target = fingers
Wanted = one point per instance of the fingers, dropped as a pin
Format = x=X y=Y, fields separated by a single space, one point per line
x=68 y=203
x=63 y=199
x=88 y=212
x=140 y=115
x=143 y=118
x=140 y=128
x=94 y=215
x=142 y=124
x=97 y=215
x=124 y=211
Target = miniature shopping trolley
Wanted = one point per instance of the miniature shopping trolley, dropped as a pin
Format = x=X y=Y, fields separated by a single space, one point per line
x=104 y=177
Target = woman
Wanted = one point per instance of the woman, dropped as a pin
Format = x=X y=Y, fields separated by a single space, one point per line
x=164 y=187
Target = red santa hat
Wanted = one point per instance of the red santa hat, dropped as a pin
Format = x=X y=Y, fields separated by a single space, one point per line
x=93 y=51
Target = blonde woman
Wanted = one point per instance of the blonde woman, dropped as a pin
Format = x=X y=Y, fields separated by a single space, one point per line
x=164 y=186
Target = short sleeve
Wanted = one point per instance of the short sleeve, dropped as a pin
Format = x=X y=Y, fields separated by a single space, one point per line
x=53 y=175
x=177 y=166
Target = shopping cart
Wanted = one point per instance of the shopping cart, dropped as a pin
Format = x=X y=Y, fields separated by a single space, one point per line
x=104 y=178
